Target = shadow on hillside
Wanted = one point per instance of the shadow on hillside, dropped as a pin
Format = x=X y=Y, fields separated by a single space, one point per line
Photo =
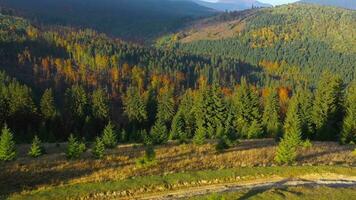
x=24 y=180
x=318 y=154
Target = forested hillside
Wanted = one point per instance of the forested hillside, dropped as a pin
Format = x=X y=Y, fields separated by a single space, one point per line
x=79 y=81
x=291 y=42
x=139 y=20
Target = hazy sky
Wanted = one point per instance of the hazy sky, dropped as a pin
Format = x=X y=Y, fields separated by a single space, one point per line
x=273 y=2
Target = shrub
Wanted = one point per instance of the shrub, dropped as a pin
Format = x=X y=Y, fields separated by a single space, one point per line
x=307 y=144
x=98 y=150
x=148 y=159
x=7 y=145
x=286 y=152
x=36 y=149
x=109 y=136
x=74 y=148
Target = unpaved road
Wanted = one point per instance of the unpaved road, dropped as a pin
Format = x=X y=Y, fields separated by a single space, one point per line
x=310 y=180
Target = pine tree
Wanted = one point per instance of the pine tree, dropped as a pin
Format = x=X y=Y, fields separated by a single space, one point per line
x=98 y=150
x=177 y=128
x=36 y=149
x=287 y=148
x=210 y=111
x=305 y=99
x=77 y=101
x=159 y=132
x=200 y=136
x=165 y=107
x=7 y=145
x=47 y=107
x=348 y=133
x=109 y=136
x=247 y=106
x=74 y=148
x=271 y=119
x=134 y=105
x=327 y=112
x=100 y=104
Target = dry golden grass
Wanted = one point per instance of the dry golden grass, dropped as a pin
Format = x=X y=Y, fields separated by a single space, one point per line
x=54 y=169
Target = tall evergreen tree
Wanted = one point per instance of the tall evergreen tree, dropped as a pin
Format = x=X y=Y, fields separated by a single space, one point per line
x=134 y=105
x=76 y=106
x=7 y=145
x=287 y=148
x=159 y=132
x=165 y=107
x=47 y=106
x=271 y=119
x=327 y=108
x=178 y=128
x=109 y=137
x=100 y=104
x=348 y=133
x=305 y=101
x=248 y=115
x=210 y=111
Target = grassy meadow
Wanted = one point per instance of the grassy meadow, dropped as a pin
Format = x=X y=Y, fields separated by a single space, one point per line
x=53 y=176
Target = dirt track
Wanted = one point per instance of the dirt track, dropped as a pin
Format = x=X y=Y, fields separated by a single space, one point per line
x=311 y=180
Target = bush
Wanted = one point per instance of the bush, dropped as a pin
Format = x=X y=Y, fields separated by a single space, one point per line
x=109 y=136
x=286 y=152
x=7 y=145
x=98 y=150
x=148 y=159
x=307 y=144
x=36 y=149
x=75 y=148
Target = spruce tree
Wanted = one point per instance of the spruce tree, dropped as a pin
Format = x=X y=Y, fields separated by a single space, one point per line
x=98 y=149
x=348 y=134
x=271 y=119
x=36 y=149
x=327 y=108
x=248 y=121
x=165 y=107
x=305 y=101
x=47 y=107
x=7 y=145
x=287 y=148
x=100 y=104
x=109 y=136
x=200 y=136
x=74 y=148
x=134 y=105
x=159 y=132
x=177 y=128
x=210 y=111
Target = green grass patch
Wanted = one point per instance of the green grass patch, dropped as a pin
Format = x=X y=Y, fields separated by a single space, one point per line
x=85 y=189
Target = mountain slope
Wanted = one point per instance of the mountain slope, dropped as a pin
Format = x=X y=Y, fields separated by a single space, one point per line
x=291 y=39
x=130 y=19
x=349 y=4
x=232 y=5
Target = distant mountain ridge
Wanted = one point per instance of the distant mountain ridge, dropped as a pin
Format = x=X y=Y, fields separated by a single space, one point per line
x=297 y=38
x=232 y=5
x=349 y=4
x=127 y=19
